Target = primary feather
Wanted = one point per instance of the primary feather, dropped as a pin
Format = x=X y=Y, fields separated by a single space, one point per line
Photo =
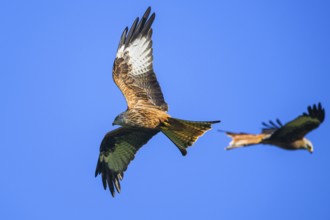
x=133 y=67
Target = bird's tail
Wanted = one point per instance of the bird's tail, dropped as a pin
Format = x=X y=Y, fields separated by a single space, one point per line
x=185 y=133
x=244 y=139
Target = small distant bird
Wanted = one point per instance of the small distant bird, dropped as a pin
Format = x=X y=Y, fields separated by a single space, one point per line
x=146 y=113
x=290 y=136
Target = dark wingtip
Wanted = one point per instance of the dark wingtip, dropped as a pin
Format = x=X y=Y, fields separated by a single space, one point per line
x=109 y=180
x=110 y=185
x=279 y=122
x=140 y=26
x=272 y=125
x=104 y=182
x=183 y=151
x=148 y=24
x=146 y=14
x=98 y=168
x=265 y=124
x=322 y=112
x=122 y=38
x=131 y=32
x=316 y=111
x=96 y=173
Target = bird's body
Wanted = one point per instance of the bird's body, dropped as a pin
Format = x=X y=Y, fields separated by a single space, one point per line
x=146 y=113
x=141 y=117
x=290 y=136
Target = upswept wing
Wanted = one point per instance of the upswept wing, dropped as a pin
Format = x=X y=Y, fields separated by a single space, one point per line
x=271 y=127
x=117 y=150
x=133 y=69
x=299 y=127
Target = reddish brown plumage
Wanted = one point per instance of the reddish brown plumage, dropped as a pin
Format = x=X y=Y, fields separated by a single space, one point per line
x=289 y=136
x=146 y=112
x=243 y=139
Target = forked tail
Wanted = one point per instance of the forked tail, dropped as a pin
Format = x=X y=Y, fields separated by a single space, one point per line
x=244 y=139
x=185 y=133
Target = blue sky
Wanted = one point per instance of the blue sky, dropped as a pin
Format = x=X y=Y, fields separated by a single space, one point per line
x=242 y=62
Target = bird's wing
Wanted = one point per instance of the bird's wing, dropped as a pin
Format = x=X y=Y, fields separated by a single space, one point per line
x=133 y=69
x=299 y=127
x=117 y=150
x=271 y=126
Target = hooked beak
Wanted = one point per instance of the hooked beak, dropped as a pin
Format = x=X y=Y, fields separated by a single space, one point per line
x=310 y=150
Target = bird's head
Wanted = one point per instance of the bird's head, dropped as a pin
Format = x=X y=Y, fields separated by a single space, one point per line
x=120 y=119
x=308 y=145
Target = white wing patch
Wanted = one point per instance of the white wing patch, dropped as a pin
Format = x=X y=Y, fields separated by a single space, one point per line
x=138 y=55
x=120 y=52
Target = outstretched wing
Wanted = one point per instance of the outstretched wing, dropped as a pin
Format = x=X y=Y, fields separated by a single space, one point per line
x=133 y=70
x=271 y=127
x=299 y=127
x=117 y=150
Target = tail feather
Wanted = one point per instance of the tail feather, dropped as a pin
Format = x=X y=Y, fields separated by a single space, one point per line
x=244 y=139
x=185 y=133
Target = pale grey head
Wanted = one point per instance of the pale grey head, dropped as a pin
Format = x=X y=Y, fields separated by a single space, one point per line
x=120 y=119
x=303 y=144
x=308 y=145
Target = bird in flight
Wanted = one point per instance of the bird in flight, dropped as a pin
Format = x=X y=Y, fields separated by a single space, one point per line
x=146 y=113
x=290 y=136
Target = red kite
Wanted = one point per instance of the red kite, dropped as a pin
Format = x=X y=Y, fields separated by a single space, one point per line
x=146 y=113
x=290 y=136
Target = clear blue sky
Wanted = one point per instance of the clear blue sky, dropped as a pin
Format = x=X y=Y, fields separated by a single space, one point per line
x=242 y=62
